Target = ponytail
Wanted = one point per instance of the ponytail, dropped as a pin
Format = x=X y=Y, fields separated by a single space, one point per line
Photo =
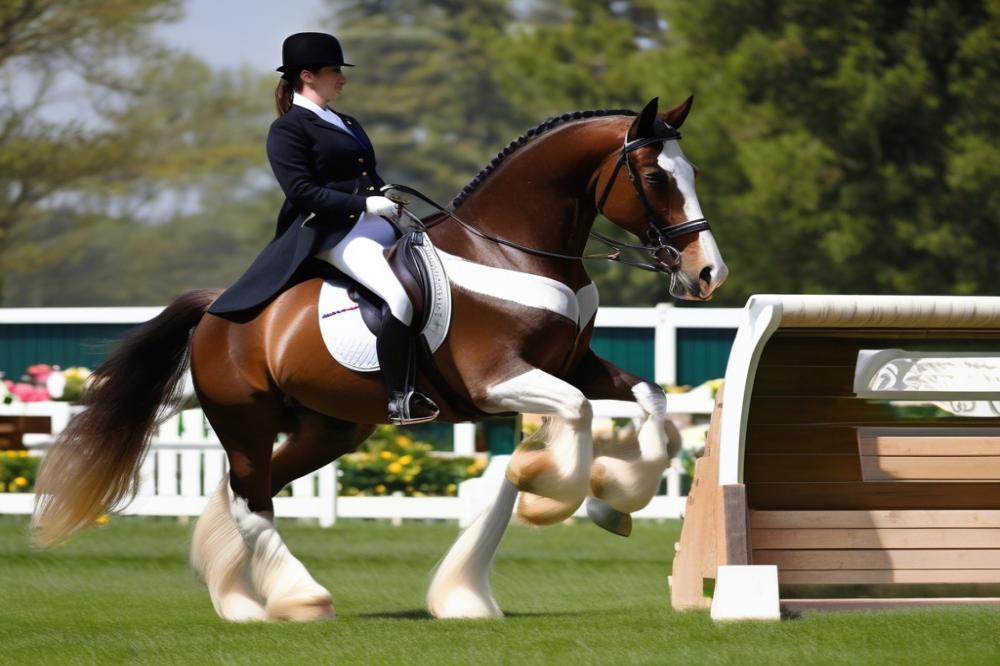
x=283 y=96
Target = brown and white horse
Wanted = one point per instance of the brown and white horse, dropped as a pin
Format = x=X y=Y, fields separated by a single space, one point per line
x=519 y=342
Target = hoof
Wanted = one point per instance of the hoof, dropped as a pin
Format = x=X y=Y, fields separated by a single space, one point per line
x=292 y=610
x=240 y=607
x=606 y=516
x=464 y=603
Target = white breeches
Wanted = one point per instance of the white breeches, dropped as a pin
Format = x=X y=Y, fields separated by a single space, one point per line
x=359 y=255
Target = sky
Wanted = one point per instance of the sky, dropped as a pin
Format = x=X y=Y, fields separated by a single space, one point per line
x=230 y=33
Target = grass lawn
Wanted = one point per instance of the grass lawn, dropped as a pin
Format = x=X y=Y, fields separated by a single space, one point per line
x=572 y=593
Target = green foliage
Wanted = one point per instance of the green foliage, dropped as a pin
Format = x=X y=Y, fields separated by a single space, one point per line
x=18 y=471
x=841 y=147
x=390 y=462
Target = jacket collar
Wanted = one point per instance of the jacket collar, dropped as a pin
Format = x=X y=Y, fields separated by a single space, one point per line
x=314 y=118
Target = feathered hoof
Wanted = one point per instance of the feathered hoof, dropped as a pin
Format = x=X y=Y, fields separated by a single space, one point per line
x=238 y=607
x=540 y=511
x=465 y=603
x=301 y=609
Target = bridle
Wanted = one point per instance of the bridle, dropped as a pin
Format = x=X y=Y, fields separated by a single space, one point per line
x=661 y=236
x=666 y=256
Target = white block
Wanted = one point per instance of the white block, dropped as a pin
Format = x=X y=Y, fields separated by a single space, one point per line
x=746 y=592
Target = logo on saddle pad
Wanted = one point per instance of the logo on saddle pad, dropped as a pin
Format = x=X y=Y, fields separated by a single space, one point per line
x=352 y=343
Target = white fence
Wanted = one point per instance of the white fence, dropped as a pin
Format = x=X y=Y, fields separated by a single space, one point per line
x=186 y=463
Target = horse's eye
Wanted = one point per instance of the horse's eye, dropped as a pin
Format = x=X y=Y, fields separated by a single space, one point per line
x=655 y=177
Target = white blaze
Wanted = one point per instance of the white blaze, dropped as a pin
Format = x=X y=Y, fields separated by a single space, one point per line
x=671 y=159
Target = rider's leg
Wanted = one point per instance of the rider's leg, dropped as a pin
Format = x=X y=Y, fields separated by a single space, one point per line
x=359 y=255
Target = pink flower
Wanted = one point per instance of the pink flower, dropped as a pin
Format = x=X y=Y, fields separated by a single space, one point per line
x=40 y=372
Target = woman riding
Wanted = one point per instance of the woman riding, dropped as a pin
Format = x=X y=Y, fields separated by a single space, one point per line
x=325 y=164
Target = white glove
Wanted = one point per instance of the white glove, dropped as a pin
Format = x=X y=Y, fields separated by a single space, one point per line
x=384 y=207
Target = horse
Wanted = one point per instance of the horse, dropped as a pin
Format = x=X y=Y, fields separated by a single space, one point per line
x=510 y=349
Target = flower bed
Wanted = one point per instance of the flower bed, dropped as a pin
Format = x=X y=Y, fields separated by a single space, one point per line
x=18 y=472
x=391 y=462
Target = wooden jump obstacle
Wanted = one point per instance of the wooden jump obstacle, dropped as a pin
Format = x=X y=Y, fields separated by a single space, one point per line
x=854 y=448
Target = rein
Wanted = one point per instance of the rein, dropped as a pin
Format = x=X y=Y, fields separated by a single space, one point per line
x=661 y=236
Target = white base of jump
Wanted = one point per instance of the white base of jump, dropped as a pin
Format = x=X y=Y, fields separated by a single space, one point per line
x=746 y=592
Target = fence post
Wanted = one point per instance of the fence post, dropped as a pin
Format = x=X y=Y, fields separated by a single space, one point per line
x=665 y=345
x=328 y=495
x=464 y=438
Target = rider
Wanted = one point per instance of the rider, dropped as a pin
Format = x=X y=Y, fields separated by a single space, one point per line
x=325 y=165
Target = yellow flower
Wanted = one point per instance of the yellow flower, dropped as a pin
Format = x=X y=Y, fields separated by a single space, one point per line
x=451 y=488
x=407 y=478
x=417 y=493
x=471 y=469
x=395 y=468
x=11 y=454
x=22 y=454
x=406 y=460
x=11 y=487
x=380 y=489
x=404 y=441
x=480 y=463
x=20 y=482
x=386 y=455
x=103 y=519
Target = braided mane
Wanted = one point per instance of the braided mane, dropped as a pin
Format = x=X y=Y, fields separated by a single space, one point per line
x=520 y=141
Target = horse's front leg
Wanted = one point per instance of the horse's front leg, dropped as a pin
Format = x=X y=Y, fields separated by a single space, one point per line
x=552 y=467
x=626 y=475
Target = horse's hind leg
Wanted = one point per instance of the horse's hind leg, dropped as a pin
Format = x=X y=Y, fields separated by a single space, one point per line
x=219 y=557
x=279 y=580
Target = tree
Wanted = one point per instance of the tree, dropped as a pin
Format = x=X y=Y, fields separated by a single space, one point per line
x=851 y=148
x=155 y=132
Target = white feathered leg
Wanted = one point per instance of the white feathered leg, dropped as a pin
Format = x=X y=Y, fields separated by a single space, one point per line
x=460 y=586
x=219 y=557
x=627 y=475
x=282 y=581
x=552 y=473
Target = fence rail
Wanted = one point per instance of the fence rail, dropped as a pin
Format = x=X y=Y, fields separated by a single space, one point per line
x=186 y=463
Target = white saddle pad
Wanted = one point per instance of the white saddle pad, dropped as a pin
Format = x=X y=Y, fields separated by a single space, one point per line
x=344 y=332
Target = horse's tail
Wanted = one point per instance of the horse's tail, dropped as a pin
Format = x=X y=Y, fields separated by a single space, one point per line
x=94 y=463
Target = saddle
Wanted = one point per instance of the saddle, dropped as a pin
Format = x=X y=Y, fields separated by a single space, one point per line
x=350 y=315
x=415 y=264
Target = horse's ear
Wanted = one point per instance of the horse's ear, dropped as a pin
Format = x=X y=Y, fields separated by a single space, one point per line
x=675 y=117
x=642 y=126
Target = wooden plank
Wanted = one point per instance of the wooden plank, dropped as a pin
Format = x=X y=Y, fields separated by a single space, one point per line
x=696 y=557
x=873 y=519
x=734 y=547
x=875 y=577
x=815 y=380
x=821 y=467
x=938 y=558
x=799 y=605
x=874 y=495
x=923 y=538
x=969 y=443
x=838 y=439
x=840 y=346
x=845 y=411
x=926 y=468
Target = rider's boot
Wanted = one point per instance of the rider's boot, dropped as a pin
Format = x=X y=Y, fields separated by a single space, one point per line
x=396 y=349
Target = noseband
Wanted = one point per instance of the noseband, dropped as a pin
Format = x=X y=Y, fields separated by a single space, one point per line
x=659 y=232
x=666 y=256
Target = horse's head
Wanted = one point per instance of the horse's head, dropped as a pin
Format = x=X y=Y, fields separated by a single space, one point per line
x=660 y=204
